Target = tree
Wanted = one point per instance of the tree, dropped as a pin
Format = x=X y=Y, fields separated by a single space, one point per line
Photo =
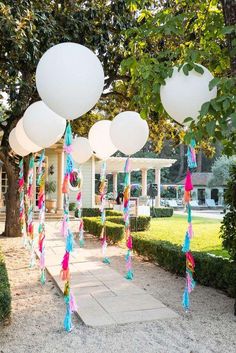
x=221 y=171
x=27 y=30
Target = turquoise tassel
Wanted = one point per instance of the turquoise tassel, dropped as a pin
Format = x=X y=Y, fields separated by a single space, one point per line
x=69 y=241
x=69 y=164
x=106 y=260
x=43 y=277
x=67 y=320
x=68 y=135
x=129 y=275
x=186 y=244
x=189 y=214
x=186 y=302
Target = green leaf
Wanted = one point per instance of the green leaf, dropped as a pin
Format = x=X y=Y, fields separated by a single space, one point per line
x=199 y=69
x=186 y=69
x=228 y=29
x=213 y=83
x=187 y=120
x=233 y=119
x=226 y=105
x=204 y=109
x=215 y=105
x=210 y=127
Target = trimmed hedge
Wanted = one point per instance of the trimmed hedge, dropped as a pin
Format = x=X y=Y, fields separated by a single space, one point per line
x=90 y=212
x=5 y=294
x=138 y=224
x=162 y=212
x=114 y=232
x=114 y=213
x=210 y=270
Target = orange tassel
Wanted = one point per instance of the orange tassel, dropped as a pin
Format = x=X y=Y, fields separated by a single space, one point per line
x=65 y=275
x=65 y=186
x=187 y=196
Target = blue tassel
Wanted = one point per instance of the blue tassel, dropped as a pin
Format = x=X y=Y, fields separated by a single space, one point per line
x=106 y=260
x=67 y=320
x=68 y=135
x=129 y=275
x=186 y=244
x=69 y=164
x=69 y=241
x=43 y=277
x=186 y=302
x=81 y=243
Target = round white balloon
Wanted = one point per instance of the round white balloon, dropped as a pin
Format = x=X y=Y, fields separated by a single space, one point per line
x=69 y=79
x=100 y=139
x=23 y=138
x=129 y=132
x=15 y=144
x=42 y=125
x=81 y=150
x=182 y=96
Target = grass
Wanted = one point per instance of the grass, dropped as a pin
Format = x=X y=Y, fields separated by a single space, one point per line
x=206 y=233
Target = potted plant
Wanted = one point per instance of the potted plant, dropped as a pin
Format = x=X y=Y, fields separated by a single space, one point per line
x=50 y=188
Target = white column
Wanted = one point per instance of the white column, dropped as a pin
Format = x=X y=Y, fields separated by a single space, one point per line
x=144 y=182
x=115 y=178
x=158 y=182
x=60 y=176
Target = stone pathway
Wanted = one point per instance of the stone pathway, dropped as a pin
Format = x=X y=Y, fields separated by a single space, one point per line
x=104 y=297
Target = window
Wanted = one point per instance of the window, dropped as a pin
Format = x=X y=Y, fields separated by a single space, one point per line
x=4 y=181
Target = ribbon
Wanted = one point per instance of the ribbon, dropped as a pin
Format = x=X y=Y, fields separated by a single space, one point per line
x=30 y=204
x=21 y=183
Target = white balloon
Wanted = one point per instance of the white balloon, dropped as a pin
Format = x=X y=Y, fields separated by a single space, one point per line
x=100 y=139
x=69 y=79
x=182 y=96
x=81 y=150
x=15 y=145
x=42 y=125
x=23 y=138
x=129 y=132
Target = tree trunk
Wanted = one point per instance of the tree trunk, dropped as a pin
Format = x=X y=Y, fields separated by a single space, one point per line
x=229 y=11
x=181 y=161
x=199 y=161
x=12 y=224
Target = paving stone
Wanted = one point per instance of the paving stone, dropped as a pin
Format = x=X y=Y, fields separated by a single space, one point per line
x=143 y=315
x=123 y=287
x=94 y=291
x=130 y=303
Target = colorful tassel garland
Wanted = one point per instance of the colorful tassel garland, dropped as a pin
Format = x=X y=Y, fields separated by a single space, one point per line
x=21 y=183
x=41 y=207
x=66 y=232
x=103 y=191
x=30 y=205
x=128 y=259
x=79 y=209
x=190 y=265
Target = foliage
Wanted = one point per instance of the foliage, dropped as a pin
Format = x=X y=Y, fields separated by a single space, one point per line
x=113 y=213
x=200 y=31
x=162 y=212
x=210 y=270
x=50 y=187
x=114 y=232
x=90 y=212
x=5 y=294
x=220 y=170
x=72 y=206
x=206 y=233
x=228 y=228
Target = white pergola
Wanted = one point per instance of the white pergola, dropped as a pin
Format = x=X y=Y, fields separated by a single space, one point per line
x=115 y=165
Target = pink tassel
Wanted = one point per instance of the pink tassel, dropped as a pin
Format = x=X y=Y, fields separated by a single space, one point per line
x=68 y=149
x=73 y=306
x=64 y=226
x=190 y=230
x=42 y=260
x=188 y=182
x=65 y=261
x=79 y=197
x=129 y=264
x=129 y=243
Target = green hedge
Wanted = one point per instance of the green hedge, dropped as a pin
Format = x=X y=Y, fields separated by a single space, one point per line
x=114 y=213
x=90 y=212
x=210 y=270
x=162 y=212
x=138 y=224
x=114 y=232
x=5 y=294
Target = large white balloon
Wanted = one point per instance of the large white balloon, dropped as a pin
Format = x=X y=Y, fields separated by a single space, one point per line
x=182 y=96
x=23 y=138
x=15 y=145
x=81 y=150
x=70 y=79
x=129 y=132
x=100 y=139
x=42 y=125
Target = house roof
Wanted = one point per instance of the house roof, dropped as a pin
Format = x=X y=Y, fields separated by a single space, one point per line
x=198 y=179
x=116 y=164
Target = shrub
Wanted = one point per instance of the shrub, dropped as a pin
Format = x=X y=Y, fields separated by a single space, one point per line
x=90 y=212
x=139 y=223
x=114 y=213
x=210 y=270
x=228 y=228
x=72 y=206
x=5 y=294
x=162 y=212
x=114 y=232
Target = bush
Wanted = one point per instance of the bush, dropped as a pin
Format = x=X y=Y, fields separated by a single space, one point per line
x=5 y=294
x=162 y=212
x=114 y=213
x=72 y=206
x=138 y=224
x=90 y=212
x=114 y=232
x=210 y=270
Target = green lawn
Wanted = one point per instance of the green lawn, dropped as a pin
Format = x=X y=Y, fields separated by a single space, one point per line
x=206 y=233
